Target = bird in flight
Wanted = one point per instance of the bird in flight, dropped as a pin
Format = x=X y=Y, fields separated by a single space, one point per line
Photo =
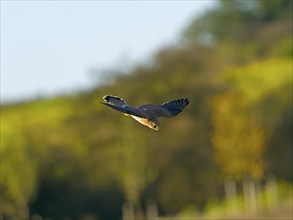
x=147 y=114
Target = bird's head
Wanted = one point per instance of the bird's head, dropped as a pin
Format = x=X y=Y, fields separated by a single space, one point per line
x=153 y=125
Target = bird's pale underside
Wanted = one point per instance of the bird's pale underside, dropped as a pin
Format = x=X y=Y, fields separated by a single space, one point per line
x=147 y=114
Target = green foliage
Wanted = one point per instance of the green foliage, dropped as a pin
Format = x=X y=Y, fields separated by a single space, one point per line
x=249 y=25
x=265 y=203
x=239 y=142
x=258 y=80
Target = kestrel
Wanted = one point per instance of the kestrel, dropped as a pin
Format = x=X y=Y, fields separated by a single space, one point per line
x=147 y=114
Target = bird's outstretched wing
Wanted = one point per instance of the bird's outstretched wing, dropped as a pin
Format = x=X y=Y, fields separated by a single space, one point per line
x=120 y=105
x=173 y=108
x=168 y=109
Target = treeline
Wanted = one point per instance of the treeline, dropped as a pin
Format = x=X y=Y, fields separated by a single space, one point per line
x=70 y=157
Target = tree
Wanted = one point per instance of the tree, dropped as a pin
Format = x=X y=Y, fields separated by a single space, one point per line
x=238 y=137
x=243 y=120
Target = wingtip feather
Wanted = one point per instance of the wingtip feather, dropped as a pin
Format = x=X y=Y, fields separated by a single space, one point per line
x=107 y=97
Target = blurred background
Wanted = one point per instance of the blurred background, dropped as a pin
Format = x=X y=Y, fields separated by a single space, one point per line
x=65 y=156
